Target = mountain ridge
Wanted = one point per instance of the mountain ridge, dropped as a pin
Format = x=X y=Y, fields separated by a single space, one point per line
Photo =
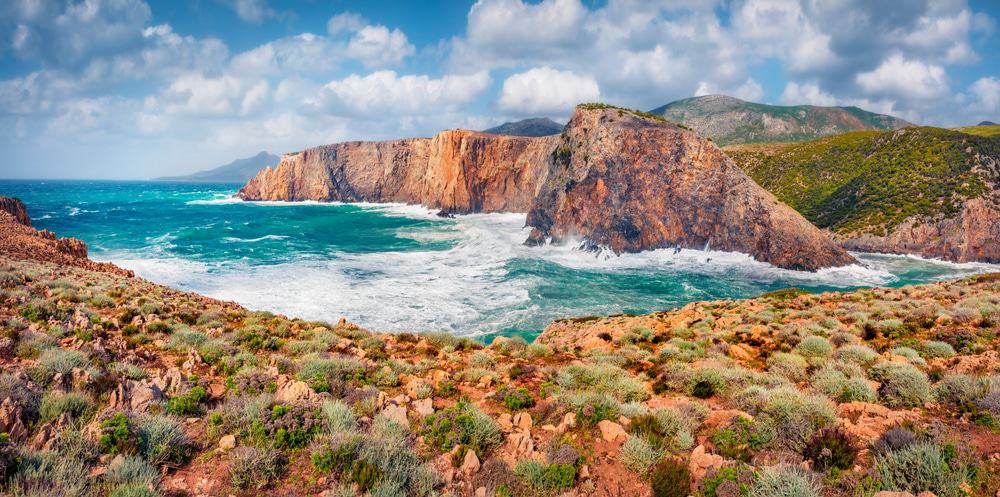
x=729 y=120
x=535 y=126
x=237 y=171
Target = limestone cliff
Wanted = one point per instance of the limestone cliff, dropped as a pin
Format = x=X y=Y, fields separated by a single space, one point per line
x=612 y=178
x=631 y=183
x=456 y=171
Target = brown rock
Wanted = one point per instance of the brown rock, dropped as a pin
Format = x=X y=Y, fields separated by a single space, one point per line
x=423 y=407
x=16 y=209
x=294 y=391
x=227 y=443
x=470 y=465
x=867 y=422
x=702 y=461
x=522 y=421
x=396 y=413
x=611 y=431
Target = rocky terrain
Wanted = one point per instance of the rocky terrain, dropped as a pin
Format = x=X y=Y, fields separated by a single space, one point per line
x=926 y=191
x=112 y=385
x=455 y=171
x=614 y=178
x=537 y=126
x=729 y=120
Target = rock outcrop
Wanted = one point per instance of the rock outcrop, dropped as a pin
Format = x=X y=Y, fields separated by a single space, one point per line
x=18 y=240
x=633 y=183
x=455 y=171
x=613 y=178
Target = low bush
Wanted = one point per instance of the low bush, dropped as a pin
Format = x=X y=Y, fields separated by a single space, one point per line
x=62 y=361
x=893 y=439
x=602 y=378
x=162 y=439
x=515 y=399
x=784 y=481
x=903 y=385
x=132 y=471
x=921 y=467
x=791 y=366
x=932 y=348
x=639 y=455
x=462 y=424
x=541 y=478
x=54 y=404
x=671 y=479
x=254 y=467
x=117 y=434
x=738 y=440
x=959 y=390
x=188 y=404
x=858 y=354
x=831 y=448
x=814 y=347
x=786 y=411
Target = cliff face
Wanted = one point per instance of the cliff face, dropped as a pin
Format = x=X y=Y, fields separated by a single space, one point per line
x=612 y=178
x=633 y=183
x=18 y=240
x=456 y=171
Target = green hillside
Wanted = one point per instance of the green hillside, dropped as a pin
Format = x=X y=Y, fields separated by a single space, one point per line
x=981 y=130
x=870 y=181
x=729 y=120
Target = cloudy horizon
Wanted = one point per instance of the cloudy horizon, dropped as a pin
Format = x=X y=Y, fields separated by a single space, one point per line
x=131 y=89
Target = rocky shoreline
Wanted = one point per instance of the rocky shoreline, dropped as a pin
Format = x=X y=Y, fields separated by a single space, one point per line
x=112 y=385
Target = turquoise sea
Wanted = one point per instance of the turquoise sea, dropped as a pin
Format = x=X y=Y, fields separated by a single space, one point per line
x=394 y=267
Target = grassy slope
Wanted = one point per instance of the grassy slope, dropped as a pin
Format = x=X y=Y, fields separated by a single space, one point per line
x=870 y=181
x=992 y=130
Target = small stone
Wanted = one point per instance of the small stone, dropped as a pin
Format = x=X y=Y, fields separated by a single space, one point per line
x=505 y=422
x=522 y=421
x=423 y=407
x=481 y=492
x=611 y=431
x=584 y=472
x=227 y=443
x=396 y=413
x=470 y=465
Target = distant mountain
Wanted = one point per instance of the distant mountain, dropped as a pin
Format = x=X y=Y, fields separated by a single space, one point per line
x=537 y=126
x=237 y=171
x=987 y=123
x=728 y=120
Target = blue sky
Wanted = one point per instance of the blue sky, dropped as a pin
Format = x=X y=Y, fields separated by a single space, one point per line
x=135 y=89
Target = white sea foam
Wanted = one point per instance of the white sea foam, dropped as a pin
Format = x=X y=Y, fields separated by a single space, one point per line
x=468 y=288
x=252 y=240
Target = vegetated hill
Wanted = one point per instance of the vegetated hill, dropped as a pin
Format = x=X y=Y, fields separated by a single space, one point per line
x=987 y=123
x=615 y=178
x=237 y=171
x=982 y=129
x=921 y=190
x=536 y=126
x=729 y=120
x=113 y=385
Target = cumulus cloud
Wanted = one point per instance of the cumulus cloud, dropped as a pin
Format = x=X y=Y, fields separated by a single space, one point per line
x=987 y=93
x=750 y=90
x=377 y=46
x=385 y=93
x=254 y=11
x=806 y=93
x=546 y=91
x=897 y=76
x=195 y=94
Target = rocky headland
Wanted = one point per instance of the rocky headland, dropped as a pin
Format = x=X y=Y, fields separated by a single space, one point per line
x=112 y=385
x=614 y=178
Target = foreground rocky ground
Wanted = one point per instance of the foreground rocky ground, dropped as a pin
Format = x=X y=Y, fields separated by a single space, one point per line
x=112 y=385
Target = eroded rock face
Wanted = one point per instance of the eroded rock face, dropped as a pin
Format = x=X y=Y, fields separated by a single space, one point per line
x=632 y=183
x=972 y=235
x=611 y=179
x=456 y=171
x=15 y=208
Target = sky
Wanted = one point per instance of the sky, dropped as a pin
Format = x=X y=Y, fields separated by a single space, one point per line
x=133 y=89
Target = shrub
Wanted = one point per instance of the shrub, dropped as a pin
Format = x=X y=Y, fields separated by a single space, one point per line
x=671 y=479
x=188 y=404
x=858 y=354
x=328 y=375
x=132 y=471
x=784 y=481
x=515 y=399
x=16 y=389
x=254 y=467
x=958 y=390
x=790 y=366
x=133 y=491
x=831 y=448
x=933 y=348
x=840 y=388
x=592 y=407
x=545 y=478
x=102 y=301
x=639 y=455
x=814 y=347
x=602 y=378
x=47 y=474
x=55 y=404
x=893 y=439
x=921 y=467
x=338 y=417
x=738 y=440
x=117 y=434
x=462 y=424
x=184 y=339
x=162 y=439
x=903 y=385
x=787 y=411
x=62 y=361
x=288 y=425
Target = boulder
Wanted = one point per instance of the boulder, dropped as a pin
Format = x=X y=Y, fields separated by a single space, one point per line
x=611 y=431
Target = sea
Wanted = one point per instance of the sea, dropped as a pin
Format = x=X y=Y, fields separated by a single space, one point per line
x=395 y=267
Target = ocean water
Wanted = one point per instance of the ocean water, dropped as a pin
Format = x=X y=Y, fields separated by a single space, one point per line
x=394 y=267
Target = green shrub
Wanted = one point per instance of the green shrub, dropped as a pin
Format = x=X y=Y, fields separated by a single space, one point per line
x=55 y=404
x=188 y=404
x=592 y=407
x=921 y=467
x=542 y=478
x=338 y=417
x=462 y=424
x=133 y=491
x=814 y=347
x=62 y=361
x=738 y=440
x=784 y=481
x=671 y=479
x=132 y=471
x=184 y=339
x=858 y=354
x=959 y=390
x=932 y=348
x=790 y=366
x=639 y=455
x=117 y=434
x=102 y=301
x=840 y=388
x=903 y=385
x=515 y=399
x=254 y=467
x=329 y=374
x=831 y=448
x=162 y=439
x=791 y=414
x=602 y=378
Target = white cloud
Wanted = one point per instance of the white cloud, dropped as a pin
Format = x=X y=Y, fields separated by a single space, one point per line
x=987 y=93
x=197 y=95
x=504 y=30
x=347 y=22
x=807 y=93
x=301 y=54
x=907 y=78
x=546 y=91
x=750 y=90
x=377 y=46
x=384 y=93
x=251 y=10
